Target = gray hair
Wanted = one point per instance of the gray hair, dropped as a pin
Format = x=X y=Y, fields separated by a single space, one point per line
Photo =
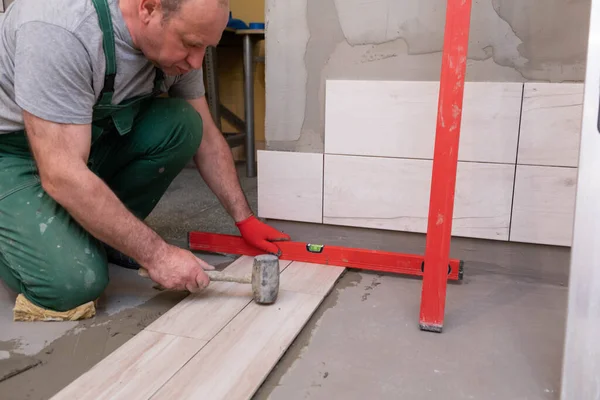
x=170 y=7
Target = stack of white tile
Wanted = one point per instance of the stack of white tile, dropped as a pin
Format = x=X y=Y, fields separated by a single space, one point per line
x=516 y=173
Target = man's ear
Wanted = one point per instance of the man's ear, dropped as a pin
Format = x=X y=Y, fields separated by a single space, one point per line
x=149 y=9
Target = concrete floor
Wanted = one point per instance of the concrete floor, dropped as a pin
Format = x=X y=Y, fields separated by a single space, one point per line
x=502 y=338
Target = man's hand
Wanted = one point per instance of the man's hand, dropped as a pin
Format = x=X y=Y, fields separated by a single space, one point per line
x=261 y=235
x=178 y=269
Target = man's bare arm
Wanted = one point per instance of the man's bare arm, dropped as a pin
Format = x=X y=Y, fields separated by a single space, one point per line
x=215 y=163
x=61 y=153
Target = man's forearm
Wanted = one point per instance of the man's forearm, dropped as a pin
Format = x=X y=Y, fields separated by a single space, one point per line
x=215 y=163
x=98 y=210
x=61 y=152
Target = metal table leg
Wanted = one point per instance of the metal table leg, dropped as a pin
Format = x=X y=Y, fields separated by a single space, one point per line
x=249 y=106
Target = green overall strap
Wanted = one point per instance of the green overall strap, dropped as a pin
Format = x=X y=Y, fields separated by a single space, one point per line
x=159 y=77
x=103 y=11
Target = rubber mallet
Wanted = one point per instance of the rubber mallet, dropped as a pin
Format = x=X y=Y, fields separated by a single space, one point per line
x=264 y=278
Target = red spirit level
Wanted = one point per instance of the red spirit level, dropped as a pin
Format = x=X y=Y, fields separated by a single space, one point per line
x=373 y=260
x=445 y=161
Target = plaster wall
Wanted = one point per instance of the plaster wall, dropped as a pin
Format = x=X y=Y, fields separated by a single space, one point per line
x=310 y=41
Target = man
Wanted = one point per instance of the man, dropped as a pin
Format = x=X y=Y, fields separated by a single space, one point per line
x=87 y=148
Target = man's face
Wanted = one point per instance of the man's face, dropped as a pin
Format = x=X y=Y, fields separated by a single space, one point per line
x=177 y=45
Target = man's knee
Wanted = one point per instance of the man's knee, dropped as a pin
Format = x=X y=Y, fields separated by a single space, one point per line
x=188 y=121
x=175 y=125
x=73 y=283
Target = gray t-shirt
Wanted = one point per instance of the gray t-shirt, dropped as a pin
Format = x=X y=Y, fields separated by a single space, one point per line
x=52 y=63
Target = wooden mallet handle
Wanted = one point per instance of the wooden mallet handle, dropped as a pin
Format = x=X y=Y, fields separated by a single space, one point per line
x=216 y=276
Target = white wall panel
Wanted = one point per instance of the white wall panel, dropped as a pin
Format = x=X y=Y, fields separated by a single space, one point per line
x=551 y=124
x=544 y=205
x=393 y=194
x=290 y=185
x=398 y=119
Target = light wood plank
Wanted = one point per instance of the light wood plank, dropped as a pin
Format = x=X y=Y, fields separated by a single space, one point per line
x=290 y=186
x=308 y=278
x=203 y=315
x=398 y=119
x=241 y=356
x=234 y=364
x=544 y=205
x=393 y=194
x=551 y=124
x=135 y=370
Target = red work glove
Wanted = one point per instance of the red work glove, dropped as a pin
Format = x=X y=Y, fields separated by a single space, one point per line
x=260 y=235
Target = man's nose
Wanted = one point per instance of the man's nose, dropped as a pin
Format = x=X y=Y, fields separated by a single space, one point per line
x=195 y=58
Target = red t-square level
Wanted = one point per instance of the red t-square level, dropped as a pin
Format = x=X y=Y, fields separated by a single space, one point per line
x=445 y=160
x=435 y=267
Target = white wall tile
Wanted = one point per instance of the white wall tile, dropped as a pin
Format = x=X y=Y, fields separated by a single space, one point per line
x=483 y=200
x=490 y=123
x=544 y=204
x=393 y=194
x=398 y=119
x=551 y=124
x=380 y=118
x=376 y=192
x=290 y=185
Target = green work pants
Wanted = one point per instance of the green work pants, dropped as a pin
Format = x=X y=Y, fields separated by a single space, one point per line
x=44 y=253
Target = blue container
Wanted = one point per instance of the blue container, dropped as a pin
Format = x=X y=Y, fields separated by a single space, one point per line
x=236 y=23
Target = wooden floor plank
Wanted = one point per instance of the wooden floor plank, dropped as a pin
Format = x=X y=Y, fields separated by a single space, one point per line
x=233 y=365
x=246 y=340
x=142 y=365
x=309 y=278
x=135 y=370
x=202 y=315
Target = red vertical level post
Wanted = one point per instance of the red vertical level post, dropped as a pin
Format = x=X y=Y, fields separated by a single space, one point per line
x=445 y=158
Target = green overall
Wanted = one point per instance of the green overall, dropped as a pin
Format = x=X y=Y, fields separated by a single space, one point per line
x=138 y=148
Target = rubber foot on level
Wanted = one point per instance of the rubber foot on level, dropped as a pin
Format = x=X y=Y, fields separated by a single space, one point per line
x=431 y=327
